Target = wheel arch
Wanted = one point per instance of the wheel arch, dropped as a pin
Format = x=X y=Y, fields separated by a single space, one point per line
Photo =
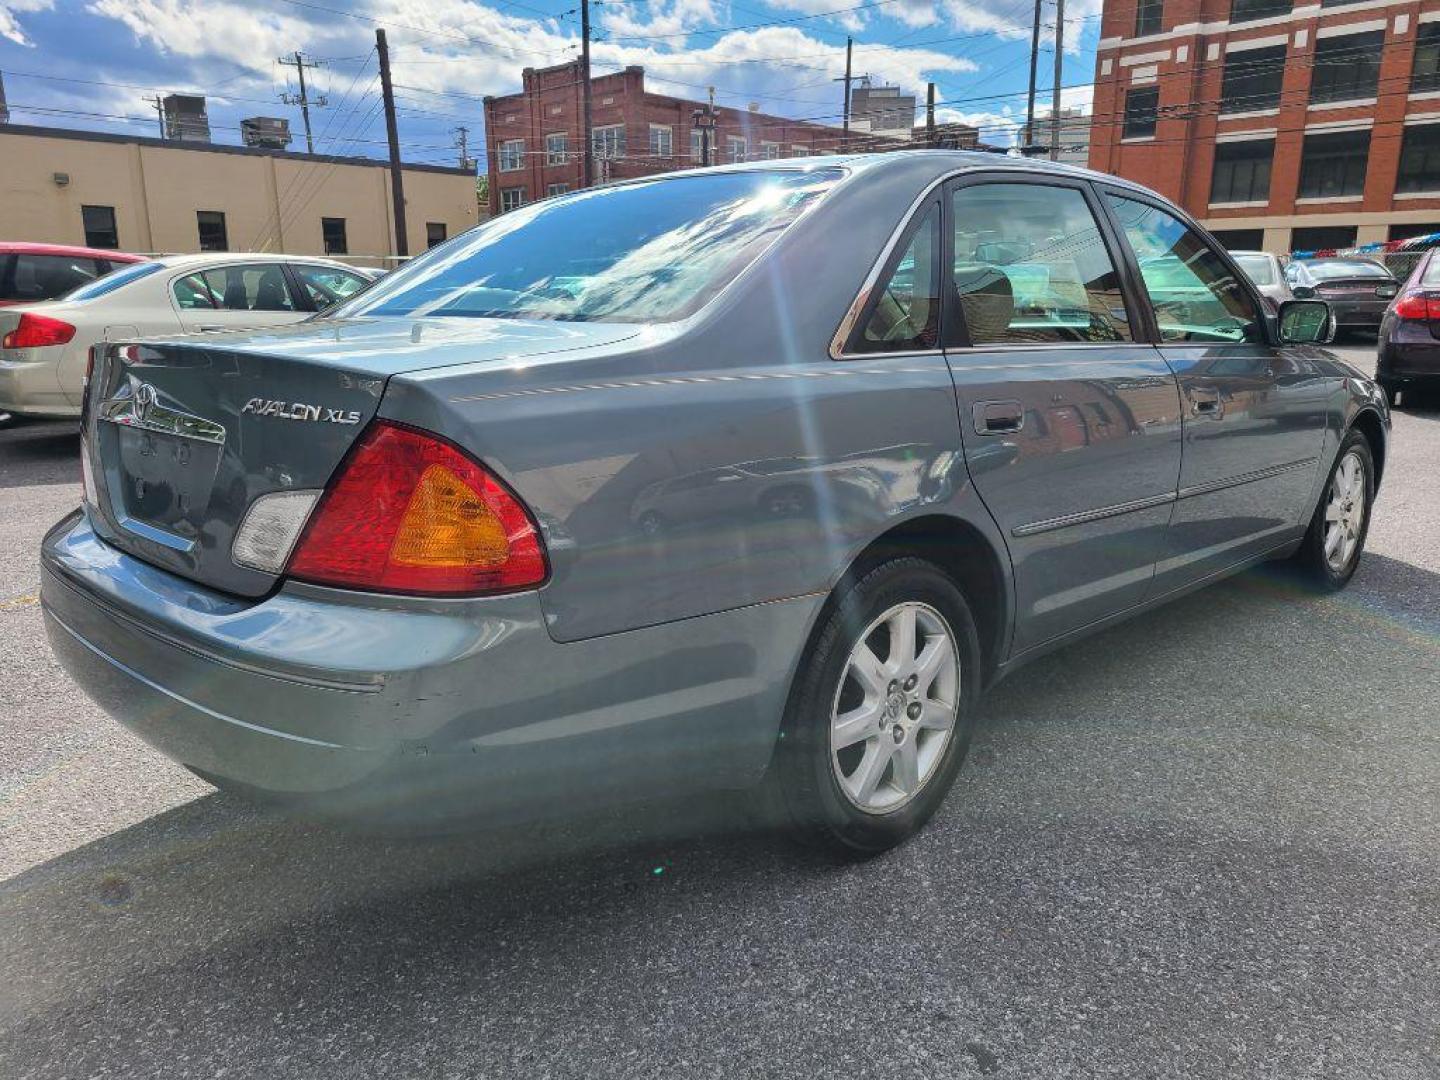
x=1369 y=424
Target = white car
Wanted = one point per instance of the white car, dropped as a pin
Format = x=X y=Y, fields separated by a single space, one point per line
x=44 y=347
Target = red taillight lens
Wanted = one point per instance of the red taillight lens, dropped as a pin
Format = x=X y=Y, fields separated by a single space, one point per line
x=409 y=512
x=1418 y=307
x=36 y=331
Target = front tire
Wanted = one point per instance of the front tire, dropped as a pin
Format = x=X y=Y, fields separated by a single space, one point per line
x=1335 y=540
x=882 y=711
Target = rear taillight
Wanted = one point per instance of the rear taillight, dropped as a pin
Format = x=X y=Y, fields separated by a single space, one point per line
x=37 y=331
x=1417 y=307
x=409 y=512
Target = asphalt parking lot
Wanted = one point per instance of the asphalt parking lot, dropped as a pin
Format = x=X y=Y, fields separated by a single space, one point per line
x=1206 y=843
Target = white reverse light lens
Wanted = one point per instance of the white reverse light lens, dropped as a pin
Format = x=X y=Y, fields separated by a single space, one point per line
x=270 y=529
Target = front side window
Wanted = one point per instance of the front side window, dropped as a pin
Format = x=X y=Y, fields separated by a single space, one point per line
x=1425 y=74
x=100 y=231
x=1252 y=80
x=557 y=148
x=332 y=232
x=1333 y=164
x=1147 y=17
x=608 y=143
x=1141 y=107
x=1195 y=296
x=511 y=198
x=1347 y=68
x=249 y=288
x=904 y=315
x=512 y=155
x=211 y=225
x=327 y=285
x=662 y=141
x=1031 y=266
x=648 y=251
x=1242 y=171
x=1420 y=158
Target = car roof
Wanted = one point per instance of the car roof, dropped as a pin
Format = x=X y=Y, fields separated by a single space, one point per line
x=18 y=247
x=208 y=259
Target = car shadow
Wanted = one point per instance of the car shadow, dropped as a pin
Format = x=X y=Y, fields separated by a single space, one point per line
x=214 y=936
x=39 y=453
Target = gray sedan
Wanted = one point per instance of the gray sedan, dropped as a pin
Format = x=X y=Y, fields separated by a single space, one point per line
x=757 y=475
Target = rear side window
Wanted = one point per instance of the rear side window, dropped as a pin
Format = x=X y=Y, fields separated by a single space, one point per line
x=46 y=277
x=1031 y=266
x=327 y=286
x=1195 y=296
x=905 y=313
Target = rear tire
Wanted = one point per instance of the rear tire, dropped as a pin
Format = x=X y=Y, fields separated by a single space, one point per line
x=1335 y=540
x=880 y=717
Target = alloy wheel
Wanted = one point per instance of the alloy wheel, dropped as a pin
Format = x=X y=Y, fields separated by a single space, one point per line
x=1345 y=512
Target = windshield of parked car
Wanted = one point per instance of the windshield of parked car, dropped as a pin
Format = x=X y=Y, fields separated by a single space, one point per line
x=1258 y=268
x=1346 y=268
x=653 y=251
x=110 y=282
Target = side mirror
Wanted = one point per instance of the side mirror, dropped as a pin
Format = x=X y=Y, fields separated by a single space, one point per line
x=1305 y=322
x=1303 y=292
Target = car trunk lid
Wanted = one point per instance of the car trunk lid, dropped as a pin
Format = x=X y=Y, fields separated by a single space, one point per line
x=182 y=436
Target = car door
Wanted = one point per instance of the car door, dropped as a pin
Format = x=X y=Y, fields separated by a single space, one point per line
x=1253 y=412
x=1071 y=421
x=236 y=296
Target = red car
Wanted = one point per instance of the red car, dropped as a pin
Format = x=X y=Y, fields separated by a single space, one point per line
x=30 y=273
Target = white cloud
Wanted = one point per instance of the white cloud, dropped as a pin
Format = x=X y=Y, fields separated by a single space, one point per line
x=9 y=18
x=996 y=128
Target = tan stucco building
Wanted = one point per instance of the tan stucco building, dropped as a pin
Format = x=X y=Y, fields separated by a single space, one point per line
x=148 y=195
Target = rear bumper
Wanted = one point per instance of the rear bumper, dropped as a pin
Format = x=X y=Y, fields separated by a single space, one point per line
x=371 y=709
x=31 y=388
x=1408 y=354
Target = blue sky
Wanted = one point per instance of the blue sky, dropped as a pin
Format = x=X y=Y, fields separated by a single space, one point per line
x=90 y=63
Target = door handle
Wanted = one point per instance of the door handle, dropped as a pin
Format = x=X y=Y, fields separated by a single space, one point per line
x=997 y=417
x=1205 y=401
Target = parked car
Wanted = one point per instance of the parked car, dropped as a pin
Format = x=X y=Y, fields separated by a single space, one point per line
x=44 y=348
x=1267 y=273
x=1357 y=290
x=32 y=273
x=1410 y=333
x=315 y=563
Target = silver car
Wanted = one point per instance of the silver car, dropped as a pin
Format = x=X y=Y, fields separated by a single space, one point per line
x=1267 y=273
x=756 y=475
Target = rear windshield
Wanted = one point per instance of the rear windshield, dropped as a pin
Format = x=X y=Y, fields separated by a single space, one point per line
x=1257 y=268
x=110 y=282
x=1343 y=268
x=653 y=251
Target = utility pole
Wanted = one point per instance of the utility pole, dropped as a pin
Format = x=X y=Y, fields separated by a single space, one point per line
x=299 y=63
x=1055 y=99
x=1034 y=59
x=849 y=43
x=589 y=171
x=930 y=115
x=158 y=104
x=397 y=178
x=462 y=140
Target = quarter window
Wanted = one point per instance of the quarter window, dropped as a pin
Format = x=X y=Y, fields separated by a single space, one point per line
x=1141 y=107
x=1333 y=164
x=99 y=222
x=1420 y=159
x=905 y=314
x=512 y=155
x=1031 y=266
x=1347 y=68
x=211 y=225
x=332 y=230
x=1195 y=295
x=1242 y=171
x=1252 y=80
x=1425 y=75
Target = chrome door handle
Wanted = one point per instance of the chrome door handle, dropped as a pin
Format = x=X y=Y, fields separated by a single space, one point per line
x=1205 y=401
x=997 y=417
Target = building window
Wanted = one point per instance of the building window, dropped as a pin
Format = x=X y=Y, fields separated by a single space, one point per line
x=1425 y=75
x=1322 y=238
x=769 y=151
x=1420 y=159
x=796 y=150
x=608 y=143
x=512 y=155
x=212 y=230
x=332 y=230
x=1333 y=164
x=557 y=148
x=1147 y=17
x=697 y=145
x=511 y=198
x=1252 y=80
x=435 y=233
x=99 y=222
x=1250 y=10
x=1410 y=230
x=1346 y=68
x=735 y=147
x=1242 y=171
x=662 y=141
x=1240 y=239
x=1337 y=3
x=551 y=190
x=1140 y=109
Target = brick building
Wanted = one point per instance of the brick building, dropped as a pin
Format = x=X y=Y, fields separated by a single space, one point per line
x=534 y=146
x=1288 y=128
